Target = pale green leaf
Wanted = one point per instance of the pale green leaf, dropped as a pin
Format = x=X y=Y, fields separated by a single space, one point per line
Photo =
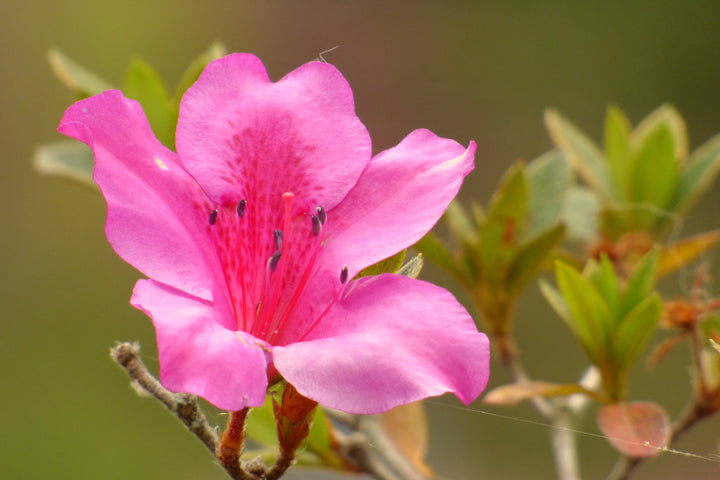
x=581 y=215
x=514 y=393
x=68 y=159
x=700 y=171
x=76 y=77
x=459 y=223
x=548 y=181
x=584 y=156
x=413 y=267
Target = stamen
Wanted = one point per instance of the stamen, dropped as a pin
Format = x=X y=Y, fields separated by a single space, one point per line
x=213 y=216
x=272 y=291
x=300 y=287
x=316 y=225
x=322 y=215
x=274 y=259
x=240 y=209
x=344 y=274
x=278 y=235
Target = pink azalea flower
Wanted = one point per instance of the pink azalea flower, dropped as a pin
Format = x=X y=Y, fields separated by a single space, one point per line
x=251 y=233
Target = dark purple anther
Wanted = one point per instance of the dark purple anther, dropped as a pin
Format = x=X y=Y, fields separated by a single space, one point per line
x=322 y=215
x=344 y=274
x=274 y=260
x=213 y=216
x=316 y=224
x=240 y=209
x=278 y=235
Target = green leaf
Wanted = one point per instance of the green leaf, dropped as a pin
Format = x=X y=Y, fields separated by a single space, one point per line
x=317 y=447
x=548 y=181
x=261 y=426
x=655 y=176
x=500 y=232
x=590 y=312
x=192 y=73
x=669 y=117
x=389 y=265
x=76 y=77
x=584 y=156
x=619 y=219
x=602 y=275
x=640 y=285
x=711 y=325
x=69 y=159
x=581 y=215
x=531 y=256
x=143 y=84
x=617 y=151
x=436 y=252
x=700 y=171
x=635 y=331
x=320 y=442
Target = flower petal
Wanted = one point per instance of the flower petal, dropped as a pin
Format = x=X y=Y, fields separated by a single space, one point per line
x=390 y=341
x=400 y=196
x=198 y=355
x=154 y=206
x=244 y=137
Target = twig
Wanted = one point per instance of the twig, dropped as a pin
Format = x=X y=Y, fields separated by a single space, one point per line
x=371 y=449
x=282 y=463
x=562 y=436
x=396 y=461
x=356 y=448
x=183 y=405
x=186 y=408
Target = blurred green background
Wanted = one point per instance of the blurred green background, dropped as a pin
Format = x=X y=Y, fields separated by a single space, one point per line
x=466 y=70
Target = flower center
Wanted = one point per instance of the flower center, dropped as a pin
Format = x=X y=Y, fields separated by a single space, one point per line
x=267 y=261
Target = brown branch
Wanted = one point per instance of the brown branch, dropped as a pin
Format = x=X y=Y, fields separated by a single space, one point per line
x=356 y=448
x=183 y=405
x=186 y=408
x=369 y=447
